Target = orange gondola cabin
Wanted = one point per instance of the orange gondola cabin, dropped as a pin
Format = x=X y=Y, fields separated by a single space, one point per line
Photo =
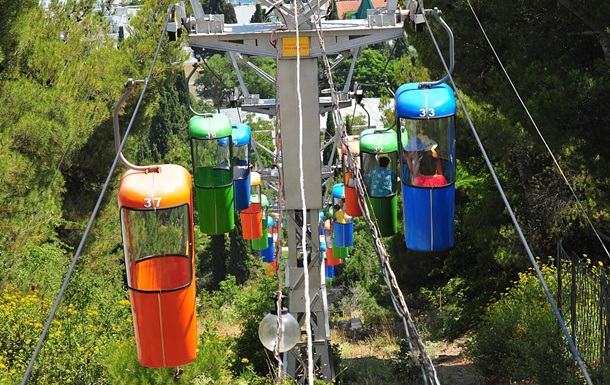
x=352 y=196
x=157 y=225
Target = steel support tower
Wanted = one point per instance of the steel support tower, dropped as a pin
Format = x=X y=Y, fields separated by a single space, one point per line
x=300 y=106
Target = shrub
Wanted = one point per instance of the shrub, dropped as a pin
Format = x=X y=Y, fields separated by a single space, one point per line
x=446 y=315
x=72 y=349
x=520 y=338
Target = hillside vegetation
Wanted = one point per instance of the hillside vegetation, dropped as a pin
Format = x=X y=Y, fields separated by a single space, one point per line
x=60 y=77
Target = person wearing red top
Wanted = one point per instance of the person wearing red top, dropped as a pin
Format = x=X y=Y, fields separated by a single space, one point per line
x=428 y=173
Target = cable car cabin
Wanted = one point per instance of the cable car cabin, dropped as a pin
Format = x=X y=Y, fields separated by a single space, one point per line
x=426 y=124
x=211 y=148
x=327 y=252
x=157 y=226
x=343 y=229
x=268 y=254
x=261 y=243
x=335 y=254
x=352 y=195
x=252 y=216
x=241 y=165
x=271 y=267
x=379 y=162
x=329 y=271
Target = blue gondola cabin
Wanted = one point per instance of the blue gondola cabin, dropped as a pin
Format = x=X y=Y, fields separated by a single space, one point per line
x=425 y=116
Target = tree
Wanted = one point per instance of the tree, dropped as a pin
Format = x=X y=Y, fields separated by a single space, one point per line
x=215 y=259
x=562 y=97
x=171 y=117
x=257 y=84
x=259 y=15
x=12 y=15
x=220 y=7
x=593 y=23
x=372 y=67
x=217 y=76
x=334 y=14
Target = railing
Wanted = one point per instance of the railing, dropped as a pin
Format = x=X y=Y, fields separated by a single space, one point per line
x=583 y=297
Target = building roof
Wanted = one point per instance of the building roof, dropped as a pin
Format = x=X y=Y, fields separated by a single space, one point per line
x=346 y=6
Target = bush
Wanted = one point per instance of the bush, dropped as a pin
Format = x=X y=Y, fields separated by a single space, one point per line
x=73 y=347
x=446 y=310
x=520 y=338
x=215 y=364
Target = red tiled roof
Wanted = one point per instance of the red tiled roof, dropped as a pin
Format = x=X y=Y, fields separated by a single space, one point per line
x=352 y=5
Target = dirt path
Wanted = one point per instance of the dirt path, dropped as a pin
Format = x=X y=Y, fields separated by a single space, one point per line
x=452 y=368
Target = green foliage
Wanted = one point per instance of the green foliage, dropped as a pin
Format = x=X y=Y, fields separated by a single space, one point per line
x=405 y=365
x=364 y=294
x=360 y=303
x=56 y=147
x=447 y=318
x=74 y=346
x=239 y=260
x=220 y=7
x=214 y=365
x=362 y=267
x=171 y=118
x=369 y=370
x=250 y=307
x=263 y=139
x=259 y=15
x=520 y=338
x=373 y=66
x=256 y=84
x=217 y=76
x=33 y=272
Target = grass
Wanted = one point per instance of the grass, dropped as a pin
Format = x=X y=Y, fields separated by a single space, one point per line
x=370 y=360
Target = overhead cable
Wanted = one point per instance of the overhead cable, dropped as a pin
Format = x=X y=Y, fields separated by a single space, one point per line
x=426 y=365
x=81 y=245
x=516 y=223
x=578 y=202
x=307 y=297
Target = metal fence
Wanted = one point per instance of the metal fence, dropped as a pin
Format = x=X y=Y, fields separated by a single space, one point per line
x=583 y=299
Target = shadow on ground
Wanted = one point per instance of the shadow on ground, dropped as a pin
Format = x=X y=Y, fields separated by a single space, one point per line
x=452 y=370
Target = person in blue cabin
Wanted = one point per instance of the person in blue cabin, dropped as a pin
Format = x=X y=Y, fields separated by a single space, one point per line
x=430 y=149
x=240 y=168
x=380 y=181
x=340 y=215
x=411 y=157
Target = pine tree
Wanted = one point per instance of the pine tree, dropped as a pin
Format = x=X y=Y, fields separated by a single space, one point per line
x=334 y=14
x=171 y=117
x=220 y=7
x=259 y=15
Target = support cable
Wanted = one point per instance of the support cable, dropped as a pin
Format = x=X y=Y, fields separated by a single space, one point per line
x=426 y=365
x=277 y=163
x=307 y=297
x=514 y=219
x=578 y=202
x=81 y=245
